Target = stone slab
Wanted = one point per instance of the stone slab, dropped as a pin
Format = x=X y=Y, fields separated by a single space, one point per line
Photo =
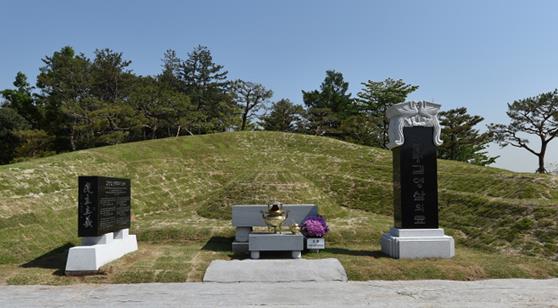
x=251 y=215
x=419 y=246
x=88 y=259
x=275 y=271
x=416 y=232
x=275 y=242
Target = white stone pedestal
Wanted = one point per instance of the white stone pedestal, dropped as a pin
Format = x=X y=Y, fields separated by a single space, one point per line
x=97 y=251
x=417 y=243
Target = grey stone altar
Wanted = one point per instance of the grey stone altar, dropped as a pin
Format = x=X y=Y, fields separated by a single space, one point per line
x=414 y=133
x=246 y=217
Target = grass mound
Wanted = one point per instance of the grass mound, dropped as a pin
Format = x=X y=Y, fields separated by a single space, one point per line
x=183 y=188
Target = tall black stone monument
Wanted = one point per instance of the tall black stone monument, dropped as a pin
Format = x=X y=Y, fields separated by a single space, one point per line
x=414 y=133
x=415 y=182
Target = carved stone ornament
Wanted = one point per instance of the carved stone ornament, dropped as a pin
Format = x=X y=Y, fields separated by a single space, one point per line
x=411 y=114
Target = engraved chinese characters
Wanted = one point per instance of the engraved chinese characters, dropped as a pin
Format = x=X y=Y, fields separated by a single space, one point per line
x=415 y=180
x=87 y=213
x=103 y=205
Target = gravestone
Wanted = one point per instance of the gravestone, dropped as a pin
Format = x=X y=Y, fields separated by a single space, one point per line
x=103 y=205
x=414 y=133
x=104 y=209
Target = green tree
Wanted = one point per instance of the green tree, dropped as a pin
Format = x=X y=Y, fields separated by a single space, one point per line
x=33 y=143
x=21 y=100
x=284 y=116
x=171 y=70
x=65 y=79
x=329 y=106
x=205 y=82
x=462 y=141
x=10 y=123
x=250 y=97
x=361 y=128
x=111 y=78
x=163 y=111
x=374 y=100
x=87 y=102
x=536 y=116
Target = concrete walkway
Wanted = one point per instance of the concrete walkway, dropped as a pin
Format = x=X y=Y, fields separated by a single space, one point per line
x=421 y=293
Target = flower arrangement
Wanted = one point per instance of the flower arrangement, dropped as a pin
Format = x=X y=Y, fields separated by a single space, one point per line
x=314 y=226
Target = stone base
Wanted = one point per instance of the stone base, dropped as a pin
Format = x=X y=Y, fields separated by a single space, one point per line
x=258 y=242
x=240 y=247
x=299 y=270
x=417 y=243
x=98 y=251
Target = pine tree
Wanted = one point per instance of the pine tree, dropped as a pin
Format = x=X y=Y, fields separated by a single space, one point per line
x=329 y=106
x=462 y=141
x=374 y=100
x=10 y=123
x=21 y=100
x=250 y=97
x=206 y=84
x=535 y=116
x=65 y=79
x=284 y=116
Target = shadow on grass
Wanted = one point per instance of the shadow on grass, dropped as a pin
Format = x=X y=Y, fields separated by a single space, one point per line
x=358 y=253
x=54 y=259
x=219 y=244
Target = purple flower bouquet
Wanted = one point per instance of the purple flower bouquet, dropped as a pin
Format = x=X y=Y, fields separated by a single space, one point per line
x=314 y=226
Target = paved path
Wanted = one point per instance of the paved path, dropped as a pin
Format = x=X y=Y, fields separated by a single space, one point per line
x=422 y=293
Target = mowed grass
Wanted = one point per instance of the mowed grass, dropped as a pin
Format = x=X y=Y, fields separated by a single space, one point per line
x=183 y=188
x=354 y=244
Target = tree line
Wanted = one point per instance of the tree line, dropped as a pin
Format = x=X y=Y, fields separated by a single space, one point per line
x=79 y=103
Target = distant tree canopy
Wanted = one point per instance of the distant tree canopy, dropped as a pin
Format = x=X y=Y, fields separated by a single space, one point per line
x=285 y=117
x=80 y=102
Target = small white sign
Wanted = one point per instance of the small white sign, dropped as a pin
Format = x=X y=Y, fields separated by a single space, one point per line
x=315 y=243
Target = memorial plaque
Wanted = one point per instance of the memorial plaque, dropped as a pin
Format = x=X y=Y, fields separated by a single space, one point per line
x=103 y=205
x=415 y=180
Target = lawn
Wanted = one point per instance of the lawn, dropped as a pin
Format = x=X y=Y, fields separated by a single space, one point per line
x=183 y=188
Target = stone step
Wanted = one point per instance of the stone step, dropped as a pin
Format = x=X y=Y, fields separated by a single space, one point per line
x=297 y=270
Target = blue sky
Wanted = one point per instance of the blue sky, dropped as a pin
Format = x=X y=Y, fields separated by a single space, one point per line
x=478 y=54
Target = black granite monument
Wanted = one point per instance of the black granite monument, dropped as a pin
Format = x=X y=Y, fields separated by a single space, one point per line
x=103 y=205
x=415 y=186
x=414 y=133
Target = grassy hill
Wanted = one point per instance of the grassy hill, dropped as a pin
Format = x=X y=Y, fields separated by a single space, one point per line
x=183 y=188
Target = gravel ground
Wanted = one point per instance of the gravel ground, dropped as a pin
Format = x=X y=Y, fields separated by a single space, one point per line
x=420 y=293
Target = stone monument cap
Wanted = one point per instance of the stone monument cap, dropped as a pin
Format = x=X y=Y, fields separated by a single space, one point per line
x=411 y=114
